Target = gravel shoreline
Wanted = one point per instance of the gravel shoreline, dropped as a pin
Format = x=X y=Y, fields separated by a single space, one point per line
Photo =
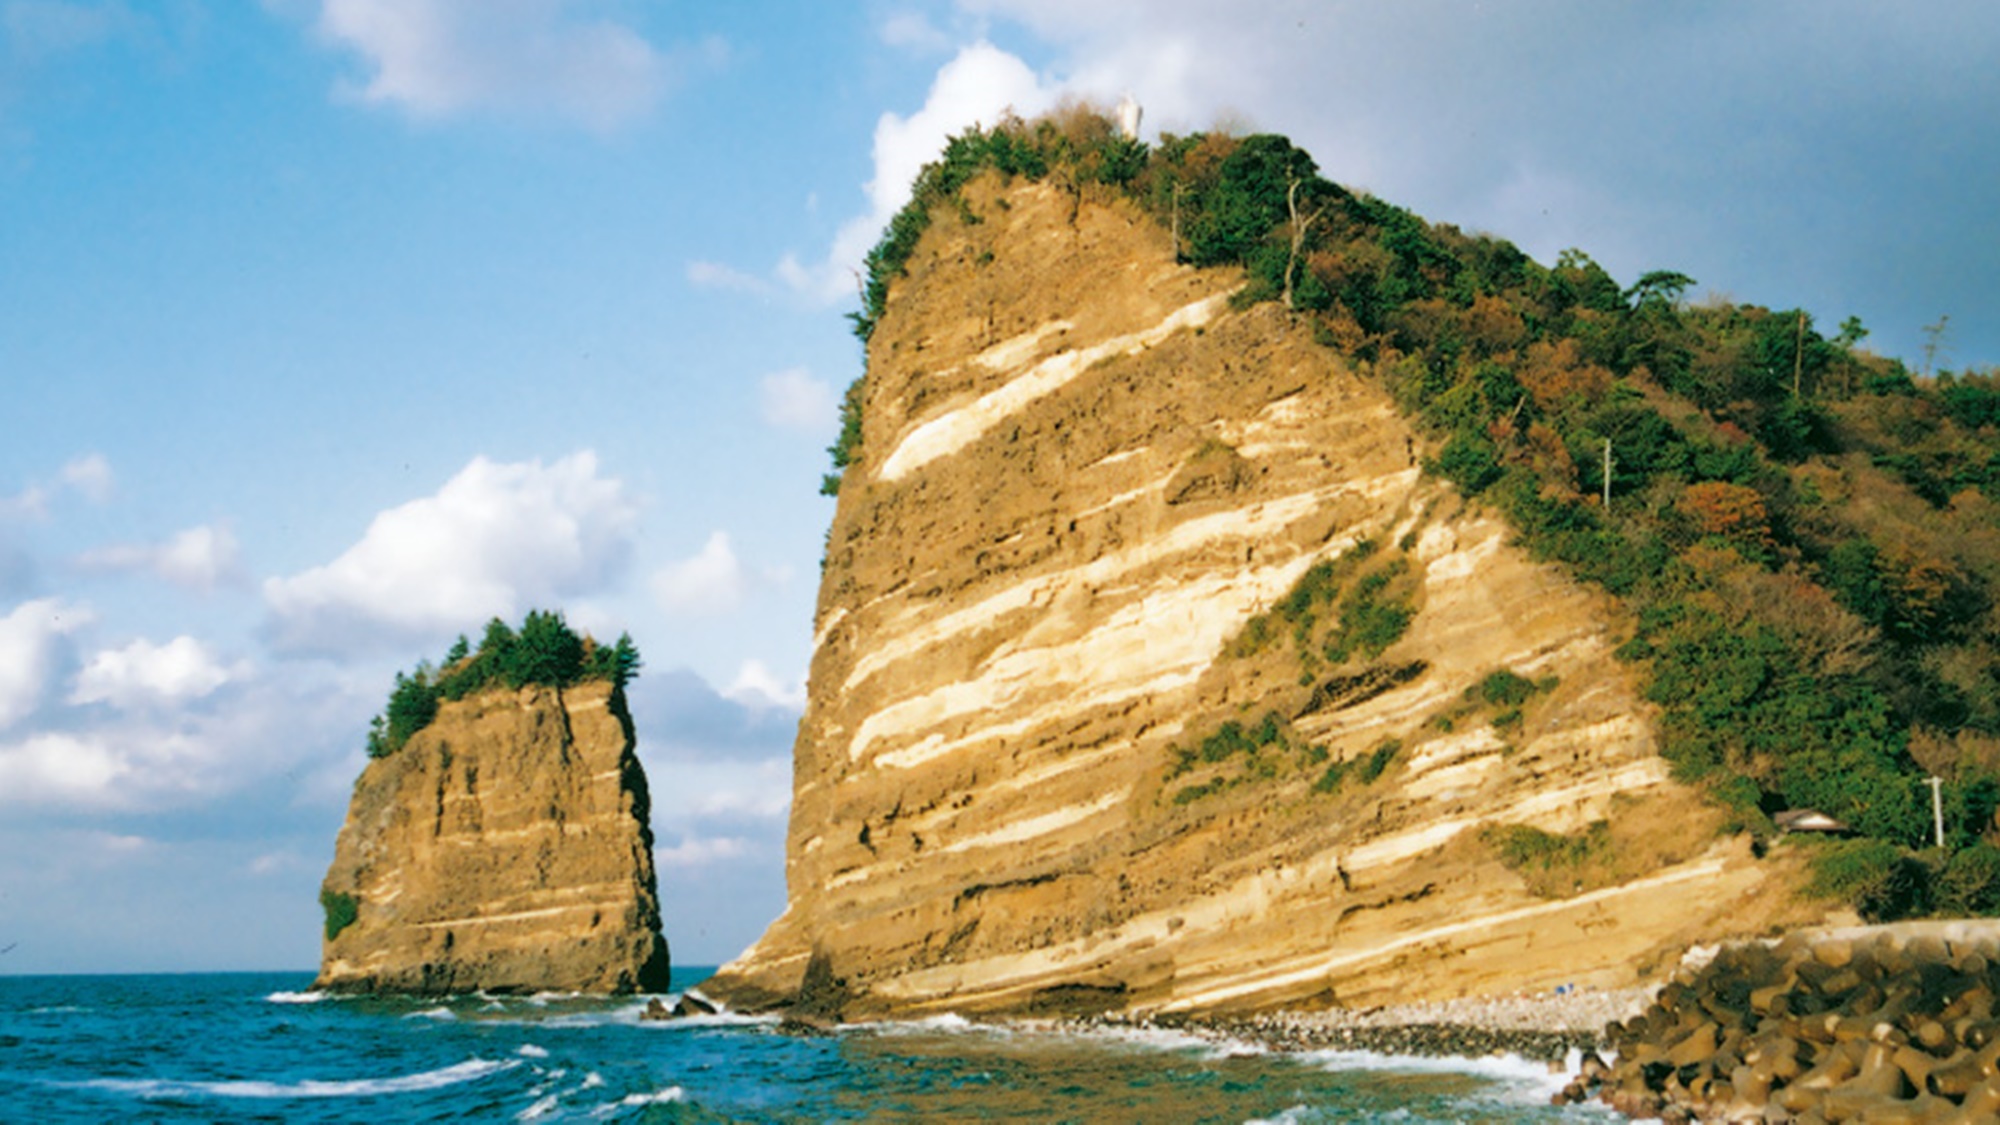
x=1544 y=1027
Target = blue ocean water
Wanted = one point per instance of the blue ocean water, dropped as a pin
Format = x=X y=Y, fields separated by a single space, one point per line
x=233 y=1047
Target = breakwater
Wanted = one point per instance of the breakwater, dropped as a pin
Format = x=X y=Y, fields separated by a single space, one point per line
x=1883 y=1023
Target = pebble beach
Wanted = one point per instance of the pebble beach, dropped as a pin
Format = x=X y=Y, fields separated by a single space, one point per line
x=1541 y=1026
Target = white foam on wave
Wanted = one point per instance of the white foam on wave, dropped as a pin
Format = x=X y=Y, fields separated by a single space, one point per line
x=1513 y=1077
x=685 y=1023
x=438 y=1013
x=540 y=1109
x=470 y=1070
x=948 y=1022
x=312 y=997
x=1168 y=1039
x=657 y=1097
x=633 y=1101
x=1500 y=1068
x=531 y=1051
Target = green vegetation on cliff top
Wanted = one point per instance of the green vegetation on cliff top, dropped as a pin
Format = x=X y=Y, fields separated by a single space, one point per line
x=544 y=651
x=1807 y=535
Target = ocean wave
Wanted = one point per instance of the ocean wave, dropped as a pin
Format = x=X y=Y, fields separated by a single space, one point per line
x=1499 y=1068
x=948 y=1023
x=542 y=1108
x=716 y=1019
x=470 y=1070
x=669 y=1095
x=438 y=1013
x=1514 y=1078
x=1167 y=1039
x=531 y=1051
x=312 y=997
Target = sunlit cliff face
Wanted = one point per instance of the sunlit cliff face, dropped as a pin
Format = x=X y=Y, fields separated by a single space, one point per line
x=1083 y=477
x=504 y=848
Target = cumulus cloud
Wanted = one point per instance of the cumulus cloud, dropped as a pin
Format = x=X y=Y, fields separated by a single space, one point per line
x=680 y=716
x=145 y=673
x=793 y=399
x=978 y=86
x=442 y=58
x=32 y=644
x=757 y=687
x=160 y=747
x=60 y=767
x=89 y=475
x=199 y=558
x=714 y=580
x=496 y=540
x=700 y=851
x=715 y=275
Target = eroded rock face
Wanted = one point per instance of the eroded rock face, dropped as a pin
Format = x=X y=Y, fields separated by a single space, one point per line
x=507 y=848
x=1082 y=475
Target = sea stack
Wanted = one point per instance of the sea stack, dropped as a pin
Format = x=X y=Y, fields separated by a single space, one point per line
x=1152 y=674
x=506 y=847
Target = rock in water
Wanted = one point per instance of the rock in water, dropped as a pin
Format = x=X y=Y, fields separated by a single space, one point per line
x=507 y=848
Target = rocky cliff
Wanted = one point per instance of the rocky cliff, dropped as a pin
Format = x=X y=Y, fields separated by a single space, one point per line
x=505 y=847
x=1152 y=674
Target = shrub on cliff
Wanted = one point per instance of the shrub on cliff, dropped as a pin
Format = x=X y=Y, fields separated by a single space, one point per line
x=544 y=651
x=341 y=911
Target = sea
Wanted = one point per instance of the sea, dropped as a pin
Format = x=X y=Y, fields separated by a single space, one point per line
x=262 y=1047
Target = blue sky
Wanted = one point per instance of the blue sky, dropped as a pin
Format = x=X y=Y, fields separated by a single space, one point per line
x=331 y=328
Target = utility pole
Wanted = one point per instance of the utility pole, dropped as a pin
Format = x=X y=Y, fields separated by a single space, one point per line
x=1798 y=353
x=1937 y=807
x=1607 y=476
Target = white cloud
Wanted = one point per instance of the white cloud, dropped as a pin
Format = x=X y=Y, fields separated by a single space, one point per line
x=756 y=686
x=277 y=741
x=31 y=644
x=199 y=558
x=979 y=85
x=700 y=851
x=91 y=475
x=793 y=400
x=441 y=58
x=143 y=672
x=715 y=275
x=713 y=581
x=277 y=863
x=496 y=540
x=60 y=767
x=31 y=503
x=771 y=800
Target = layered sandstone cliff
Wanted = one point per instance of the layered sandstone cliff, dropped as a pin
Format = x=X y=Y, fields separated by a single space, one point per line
x=505 y=847
x=1087 y=486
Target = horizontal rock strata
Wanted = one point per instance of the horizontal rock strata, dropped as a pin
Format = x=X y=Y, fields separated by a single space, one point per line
x=504 y=848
